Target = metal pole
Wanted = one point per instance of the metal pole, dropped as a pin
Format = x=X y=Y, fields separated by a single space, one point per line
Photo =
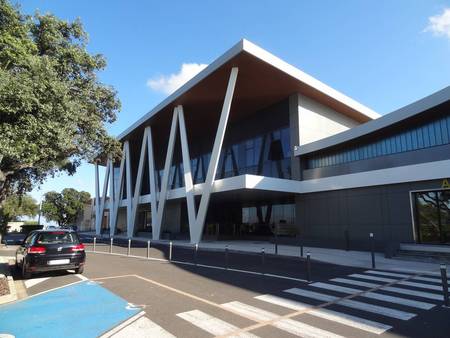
x=170 y=251
x=195 y=253
x=444 y=284
x=372 y=249
x=148 y=249
x=226 y=257
x=129 y=246
x=40 y=211
x=276 y=240
x=308 y=266
x=95 y=242
x=347 y=240
x=301 y=249
x=263 y=260
x=110 y=245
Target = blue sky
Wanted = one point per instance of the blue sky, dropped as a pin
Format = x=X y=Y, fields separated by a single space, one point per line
x=383 y=54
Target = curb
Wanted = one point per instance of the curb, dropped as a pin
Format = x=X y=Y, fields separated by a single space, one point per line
x=12 y=287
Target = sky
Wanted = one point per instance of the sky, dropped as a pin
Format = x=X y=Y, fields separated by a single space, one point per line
x=384 y=54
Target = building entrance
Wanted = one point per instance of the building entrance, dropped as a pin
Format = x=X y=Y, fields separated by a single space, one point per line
x=433 y=216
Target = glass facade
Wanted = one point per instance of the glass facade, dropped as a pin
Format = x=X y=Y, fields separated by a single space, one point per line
x=265 y=155
x=430 y=134
x=433 y=216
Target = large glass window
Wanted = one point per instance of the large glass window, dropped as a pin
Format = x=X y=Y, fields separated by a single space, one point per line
x=433 y=216
x=434 y=133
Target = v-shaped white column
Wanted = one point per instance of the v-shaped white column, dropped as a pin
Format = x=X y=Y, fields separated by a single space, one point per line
x=213 y=162
x=165 y=179
x=101 y=207
x=114 y=208
x=188 y=184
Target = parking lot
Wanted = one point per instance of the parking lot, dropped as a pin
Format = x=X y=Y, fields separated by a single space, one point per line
x=207 y=294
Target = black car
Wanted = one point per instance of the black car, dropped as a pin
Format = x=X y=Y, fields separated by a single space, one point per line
x=49 y=250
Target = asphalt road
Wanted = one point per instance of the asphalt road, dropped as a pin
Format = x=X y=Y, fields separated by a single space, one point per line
x=184 y=300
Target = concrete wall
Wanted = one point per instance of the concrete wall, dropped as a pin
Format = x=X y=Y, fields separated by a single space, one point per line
x=318 y=121
x=324 y=217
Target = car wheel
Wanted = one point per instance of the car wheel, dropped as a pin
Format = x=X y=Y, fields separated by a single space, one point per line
x=79 y=270
x=25 y=273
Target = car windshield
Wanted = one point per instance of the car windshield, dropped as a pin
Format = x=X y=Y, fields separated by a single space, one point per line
x=57 y=237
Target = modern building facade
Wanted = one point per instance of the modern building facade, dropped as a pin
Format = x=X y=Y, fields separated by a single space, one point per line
x=252 y=146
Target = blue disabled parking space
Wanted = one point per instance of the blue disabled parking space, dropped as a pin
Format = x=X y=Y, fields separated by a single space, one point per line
x=84 y=309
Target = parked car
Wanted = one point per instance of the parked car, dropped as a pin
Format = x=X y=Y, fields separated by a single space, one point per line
x=49 y=250
x=13 y=238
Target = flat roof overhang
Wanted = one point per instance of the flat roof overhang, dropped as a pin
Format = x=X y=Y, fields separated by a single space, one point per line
x=263 y=80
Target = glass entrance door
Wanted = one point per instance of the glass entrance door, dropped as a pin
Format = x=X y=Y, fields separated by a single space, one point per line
x=433 y=216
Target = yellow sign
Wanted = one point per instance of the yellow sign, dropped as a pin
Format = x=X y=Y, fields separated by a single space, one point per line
x=445 y=184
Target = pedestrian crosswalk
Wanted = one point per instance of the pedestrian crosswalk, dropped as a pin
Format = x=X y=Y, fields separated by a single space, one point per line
x=369 y=302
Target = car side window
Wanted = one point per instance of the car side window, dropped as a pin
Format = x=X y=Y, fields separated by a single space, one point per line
x=29 y=239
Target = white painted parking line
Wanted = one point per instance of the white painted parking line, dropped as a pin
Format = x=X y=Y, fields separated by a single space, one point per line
x=338 y=317
x=421 y=285
x=422 y=294
x=428 y=279
x=289 y=325
x=376 y=296
x=35 y=281
x=143 y=327
x=212 y=324
x=381 y=310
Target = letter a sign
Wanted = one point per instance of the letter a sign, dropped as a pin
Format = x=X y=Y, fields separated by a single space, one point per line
x=445 y=184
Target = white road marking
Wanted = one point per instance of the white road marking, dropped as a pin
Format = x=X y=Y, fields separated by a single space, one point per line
x=81 y=277
x=421 y=285
x=143 y=327
x=379 y=279
x=374 y=295
x=32 y=282
x=382 y=310
x=338 y=317
x=424 y=279
x=428 y=295
x=391 y=274
x=211 y=324
x=289 y=325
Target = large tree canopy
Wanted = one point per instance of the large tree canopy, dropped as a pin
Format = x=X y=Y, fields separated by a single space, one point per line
x=64 y=207
x=53 y=108
x=14 y=207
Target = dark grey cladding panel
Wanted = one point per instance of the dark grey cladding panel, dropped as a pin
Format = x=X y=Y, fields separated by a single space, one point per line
x=437 y=153
x=324 y=217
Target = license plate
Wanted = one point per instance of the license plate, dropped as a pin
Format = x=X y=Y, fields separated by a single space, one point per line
x=58 y=261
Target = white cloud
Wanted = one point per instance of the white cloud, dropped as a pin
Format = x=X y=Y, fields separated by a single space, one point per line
x=167 y=84
x=440 y=24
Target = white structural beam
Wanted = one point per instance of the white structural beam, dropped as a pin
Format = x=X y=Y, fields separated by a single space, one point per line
x=188 y=184
x=151 y=175
x=217 y=147
x=138 y=185
x=97 y=200
x=101 y=209
x=112 y=194
x=114 y=207
x=165 y=180
x=129 y=200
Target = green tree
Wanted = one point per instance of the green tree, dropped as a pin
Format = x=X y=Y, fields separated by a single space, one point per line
x=53 y=108
x=64 y=207
x=14 y=207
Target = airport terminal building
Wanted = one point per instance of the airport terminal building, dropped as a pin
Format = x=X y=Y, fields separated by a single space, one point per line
x=252 y=146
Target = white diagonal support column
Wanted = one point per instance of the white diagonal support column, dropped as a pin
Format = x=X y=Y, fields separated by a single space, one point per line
x=165 y=179
x=188 y=184
x=112 y=195
x=118 y=196
x=151 y=175
x=97 y=199
x=129 y=200
x=138 y=185
x=99 y=219
x=212 y=168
